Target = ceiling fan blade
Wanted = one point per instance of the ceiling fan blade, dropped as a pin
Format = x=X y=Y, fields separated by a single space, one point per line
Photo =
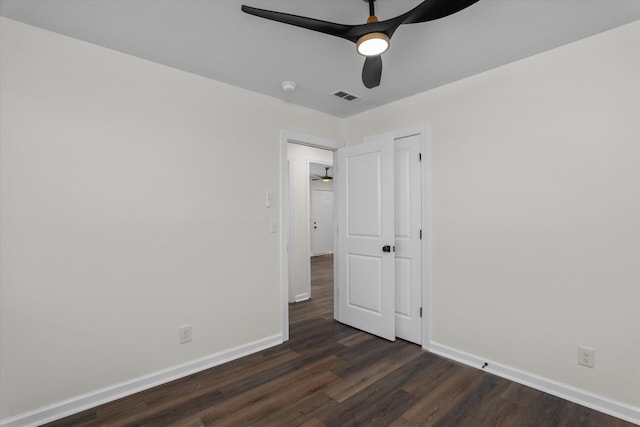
x=372 y=71
x=331 y=28
x=430 y=10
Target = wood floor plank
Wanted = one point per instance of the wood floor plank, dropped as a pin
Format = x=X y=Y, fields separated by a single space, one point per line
x=254 y=396
x=357 y=381
x=479 y=403
x=438 y=402
x=188 y=422
x=331 y=375
x=300 y=411
x=364 y=407
x=255 y=413
x=520 y=394
x=369 y=411
x=423 y=382
x=355 y=339
x=313 y=423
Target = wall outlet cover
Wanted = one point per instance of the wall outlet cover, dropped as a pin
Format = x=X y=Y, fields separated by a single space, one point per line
x=184 y=334
x=586 y=356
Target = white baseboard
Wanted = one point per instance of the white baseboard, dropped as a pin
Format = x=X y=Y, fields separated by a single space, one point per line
x=302 y=297
x=564 y=391
x=98 y=397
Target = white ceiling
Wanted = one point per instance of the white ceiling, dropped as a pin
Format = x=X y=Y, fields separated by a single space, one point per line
x=213 y=38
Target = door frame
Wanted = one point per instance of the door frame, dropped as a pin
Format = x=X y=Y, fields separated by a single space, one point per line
x=287 y=137
x=424 y=131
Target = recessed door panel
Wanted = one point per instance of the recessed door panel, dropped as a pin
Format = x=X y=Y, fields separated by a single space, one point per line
x=403 y=292
x=365 y=285
x=403 y=193
x=363 y=195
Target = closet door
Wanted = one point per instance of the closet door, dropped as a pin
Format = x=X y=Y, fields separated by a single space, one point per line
x=408 y=226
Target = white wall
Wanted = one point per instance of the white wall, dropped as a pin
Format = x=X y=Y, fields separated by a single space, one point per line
x=129 y=206
x=299 y=157
x=536 y=211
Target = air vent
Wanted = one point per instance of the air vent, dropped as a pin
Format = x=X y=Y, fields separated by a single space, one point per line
x=345 y=95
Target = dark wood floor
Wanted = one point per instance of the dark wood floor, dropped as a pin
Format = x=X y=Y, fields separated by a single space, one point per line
x=328 y=374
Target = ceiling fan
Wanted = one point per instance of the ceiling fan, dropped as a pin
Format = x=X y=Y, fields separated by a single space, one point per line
x=325 y=178
x=372 y=39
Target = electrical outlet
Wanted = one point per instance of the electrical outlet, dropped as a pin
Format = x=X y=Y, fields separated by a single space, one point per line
x=184 y=334
x=586 y=356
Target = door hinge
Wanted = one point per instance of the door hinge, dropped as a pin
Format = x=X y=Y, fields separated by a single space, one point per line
x=419 y=157
x=420 y=311
x=421 y=234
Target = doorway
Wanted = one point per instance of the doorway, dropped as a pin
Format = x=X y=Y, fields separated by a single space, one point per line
x=424 y=257
x=298 y=152
x=304 y=165
x=321 y=209
x=321 y=305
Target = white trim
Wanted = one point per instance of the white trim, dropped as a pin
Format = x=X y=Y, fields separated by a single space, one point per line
x=309 y=140
x=285 y=232
x=288 y=265
x=285 y=220
x=336 y=246
x=108 y=394
x=582 y=397
x=427 y=237
x=302 y=297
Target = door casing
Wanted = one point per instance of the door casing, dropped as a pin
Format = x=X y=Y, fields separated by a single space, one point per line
x=286 y=136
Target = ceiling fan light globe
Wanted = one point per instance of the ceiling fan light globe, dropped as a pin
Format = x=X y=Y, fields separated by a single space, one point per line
x=373 y=44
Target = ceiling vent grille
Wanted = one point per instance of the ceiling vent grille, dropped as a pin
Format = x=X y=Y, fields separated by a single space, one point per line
x=345 y=95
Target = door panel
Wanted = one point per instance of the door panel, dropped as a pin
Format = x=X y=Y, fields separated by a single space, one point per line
x=363 y=195
x=366 y=274
x=408 y=213
x=365 y=285
x=403 y=293
x=322 y=221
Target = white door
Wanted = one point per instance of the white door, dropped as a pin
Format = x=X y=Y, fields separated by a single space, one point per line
x=321 y=221
x=366 y=273
x=408 y=256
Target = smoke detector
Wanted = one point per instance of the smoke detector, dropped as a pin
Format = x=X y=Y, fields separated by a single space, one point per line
x=288 y=86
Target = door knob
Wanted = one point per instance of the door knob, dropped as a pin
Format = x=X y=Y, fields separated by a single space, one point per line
x=386 y=248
